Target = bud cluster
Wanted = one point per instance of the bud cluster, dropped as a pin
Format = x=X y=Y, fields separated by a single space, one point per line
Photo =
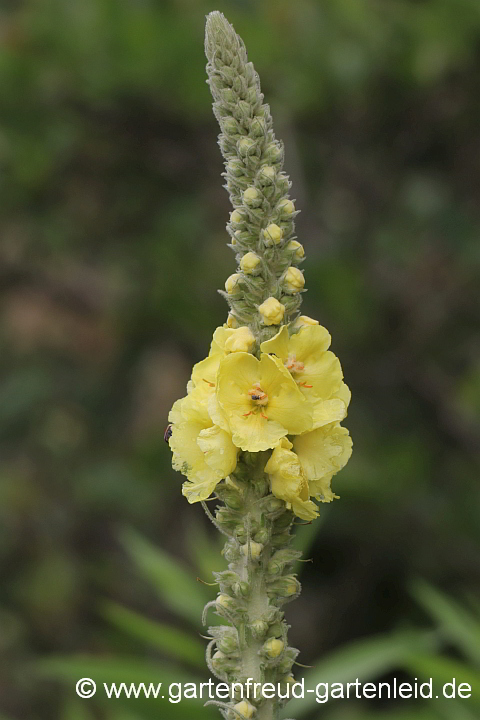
x=261 y=226
x=259 y=580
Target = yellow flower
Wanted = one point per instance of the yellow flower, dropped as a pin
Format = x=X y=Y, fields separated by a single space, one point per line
x=322 y=453
x=241 y=340
x=272 y=311
x=231 y=283
x=201 y=450
x=288 y=481
x=258 y=401
x=304 y=321
x=296 y=248
x=294 y=280
x=316 y=370
x=249 y=262
x=272 y=234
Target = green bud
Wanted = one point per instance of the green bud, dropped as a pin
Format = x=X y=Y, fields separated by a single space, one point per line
x=228 y=95
x=257 y=127
x=274 y=504
x=227 y=644
x=262 y=536
x=266 y=176
x=276 y=630
x=235 y=167
x=230 y=126
x=241 y=589
x=259 y=628
x=252 y=196
x=241 y=534
x=274 y=152
x=245 y=146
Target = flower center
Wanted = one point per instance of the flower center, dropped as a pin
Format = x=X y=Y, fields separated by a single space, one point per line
x=258 y=396
x=294 y=365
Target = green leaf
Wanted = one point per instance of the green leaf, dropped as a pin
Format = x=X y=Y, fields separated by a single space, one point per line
x=443 y=670
x=455 y=622
x=364 y=659
x=175 y=584
x=176 y=643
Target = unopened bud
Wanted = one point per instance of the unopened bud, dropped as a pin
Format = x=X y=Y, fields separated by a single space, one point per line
x=253 y=548
x=267 y=175
x=252 y=197
x=241 y=589
x=304 y=321
x=229 y=126
x=272 y=311
x=232 y=321
x=274 y=152
x=232 y=282
x=262 y=536
x=225 y=601
x=257 y=127
x=272 y=234
x=244 y=708
x=296 y=249
x=227 y=645
x=249 y=262
x=286 y=206
x=236 y=217
x=259 y=628
x=245 y=146
x=293 y=281
x=273 y=647
x=241 y=340
x=236 y=167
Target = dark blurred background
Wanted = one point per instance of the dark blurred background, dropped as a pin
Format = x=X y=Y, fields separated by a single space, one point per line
x=112 y=246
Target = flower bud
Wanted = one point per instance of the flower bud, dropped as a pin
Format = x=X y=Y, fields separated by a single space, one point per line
x=229 y=126
x=245 y=146
x=272 y=234
x=273 y=647
x=252 y=197
x=286 y=586
x=236 y=167
x=274 y=152
x=262 y=536
x=232 y=321
x=276 y=630
x=232 y=282
x=241 y=589
x=225 y=602
x=227 y=644
x=236 y=218
x=244 y=708
x=293 y=281
x=267 y=175
x=259 y=628
x=257 y=128
x=249 y=262
x=272 y=311
x=274 y=504
x=304 y=321
x=286 y=206
x=255 y=549
x=296 y=249
x=241 y=340
x=228 y=95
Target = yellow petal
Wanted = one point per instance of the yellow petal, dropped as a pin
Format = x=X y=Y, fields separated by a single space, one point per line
x=324 y=451
x=286 y=403
x=278 y=344
x=328 y=411
x=198 y=490
x=288 y=482
x=254 y=433
x=219 y=452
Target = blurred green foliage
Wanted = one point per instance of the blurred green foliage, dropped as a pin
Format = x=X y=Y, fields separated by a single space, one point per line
x=112 y=244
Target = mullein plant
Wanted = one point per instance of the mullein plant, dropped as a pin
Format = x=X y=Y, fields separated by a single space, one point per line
x=259 y=429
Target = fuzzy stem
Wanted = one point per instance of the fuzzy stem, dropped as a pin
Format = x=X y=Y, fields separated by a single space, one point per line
x=253 y=589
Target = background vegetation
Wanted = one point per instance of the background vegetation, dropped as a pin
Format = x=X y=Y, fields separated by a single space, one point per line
x=112 y=245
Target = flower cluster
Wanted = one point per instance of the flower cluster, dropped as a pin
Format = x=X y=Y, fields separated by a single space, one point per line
x=289 y=400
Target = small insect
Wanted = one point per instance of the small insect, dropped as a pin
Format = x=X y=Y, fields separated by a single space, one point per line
x=256 y=397
x=168 y=432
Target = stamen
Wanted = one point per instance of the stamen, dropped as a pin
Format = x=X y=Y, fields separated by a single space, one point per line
x=208 y=382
